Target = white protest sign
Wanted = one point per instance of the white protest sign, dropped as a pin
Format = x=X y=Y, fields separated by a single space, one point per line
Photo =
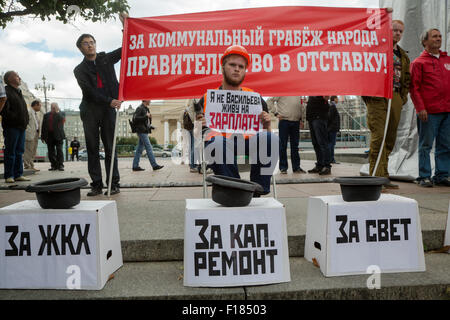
x=75 y=248
x=235 y=246
x=236 y=112
x=36 y=249
x=348 y=237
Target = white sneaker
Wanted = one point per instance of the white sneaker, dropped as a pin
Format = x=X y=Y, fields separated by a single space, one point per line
x=22 y=178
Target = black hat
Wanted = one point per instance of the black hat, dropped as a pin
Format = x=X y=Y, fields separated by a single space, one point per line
x=233 y=192
x=59 y=193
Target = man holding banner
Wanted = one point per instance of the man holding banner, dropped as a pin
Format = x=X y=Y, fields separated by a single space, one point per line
x=234 y=128
x=377 y=109
x=98 y=82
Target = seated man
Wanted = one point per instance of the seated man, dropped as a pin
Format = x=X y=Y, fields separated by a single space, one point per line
x=221 y=149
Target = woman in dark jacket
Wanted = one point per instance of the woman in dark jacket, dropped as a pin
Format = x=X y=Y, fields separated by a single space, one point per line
x=142 y=124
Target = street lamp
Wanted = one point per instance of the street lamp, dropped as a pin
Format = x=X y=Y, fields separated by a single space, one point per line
x=44 y=87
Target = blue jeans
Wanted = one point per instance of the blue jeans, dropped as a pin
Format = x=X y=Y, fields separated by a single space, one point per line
x=437 y=128
x=289 y=130
x=319 y=137
x=332 y=144
x=144 y=142
x=14 y=149
x=221 y=153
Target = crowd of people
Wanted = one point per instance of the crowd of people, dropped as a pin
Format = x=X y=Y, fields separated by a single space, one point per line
x=426 y=79
x=22 y=129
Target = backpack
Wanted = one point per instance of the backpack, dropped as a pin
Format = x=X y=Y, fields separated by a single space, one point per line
x=187 y=122
x=132 y=123
x=133 y=127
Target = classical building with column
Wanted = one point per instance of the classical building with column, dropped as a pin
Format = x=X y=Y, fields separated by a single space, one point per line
x=166 y=118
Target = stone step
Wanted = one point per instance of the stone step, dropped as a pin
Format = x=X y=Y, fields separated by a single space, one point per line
x=151 y=221
x=155 y=231
x=164 y=281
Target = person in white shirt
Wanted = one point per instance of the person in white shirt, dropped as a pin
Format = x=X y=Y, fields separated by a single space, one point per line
x=288 y=110
x=32 y=134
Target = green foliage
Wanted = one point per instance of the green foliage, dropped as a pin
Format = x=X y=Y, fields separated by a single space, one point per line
x=127 y=140
x=125 y=146
x=62 y=10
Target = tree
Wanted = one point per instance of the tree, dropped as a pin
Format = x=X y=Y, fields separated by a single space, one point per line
x=63 y=10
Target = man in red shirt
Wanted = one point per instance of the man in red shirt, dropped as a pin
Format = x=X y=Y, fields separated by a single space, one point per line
x=430 y=92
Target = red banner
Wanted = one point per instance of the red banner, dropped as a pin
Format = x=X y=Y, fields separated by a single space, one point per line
x=294 y=50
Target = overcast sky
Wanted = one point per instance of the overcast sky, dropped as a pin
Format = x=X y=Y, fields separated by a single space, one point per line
x=35 y=48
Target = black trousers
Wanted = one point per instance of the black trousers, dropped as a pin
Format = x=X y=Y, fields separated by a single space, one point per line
x=75 y=154
x=55 y=152
x=289 y=130
x=319 y=136
x=99 y=122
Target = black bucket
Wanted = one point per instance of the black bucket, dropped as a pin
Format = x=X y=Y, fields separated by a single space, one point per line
x=233 y=192
x=58 y=193
x=361 y=188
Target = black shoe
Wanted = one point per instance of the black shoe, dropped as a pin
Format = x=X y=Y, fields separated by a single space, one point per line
x=94 y=192
x=258 y=194
x=52 y=169
x=157 y=167
x=60 y=169
x=138 y=169
x=284 y=171
x=299 y=170
x=315 y=170
x=390 y=185
x=443 y=183
x=426 y=183
x=114 y=190
x=325 y=171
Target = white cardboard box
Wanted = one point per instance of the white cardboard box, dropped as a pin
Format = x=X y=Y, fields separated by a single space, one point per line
x=225 y=247
x=345 y=238
x=77 y=248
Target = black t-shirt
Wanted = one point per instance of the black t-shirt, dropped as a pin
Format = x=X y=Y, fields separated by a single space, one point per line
x=75 y=145
x=317 y=108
